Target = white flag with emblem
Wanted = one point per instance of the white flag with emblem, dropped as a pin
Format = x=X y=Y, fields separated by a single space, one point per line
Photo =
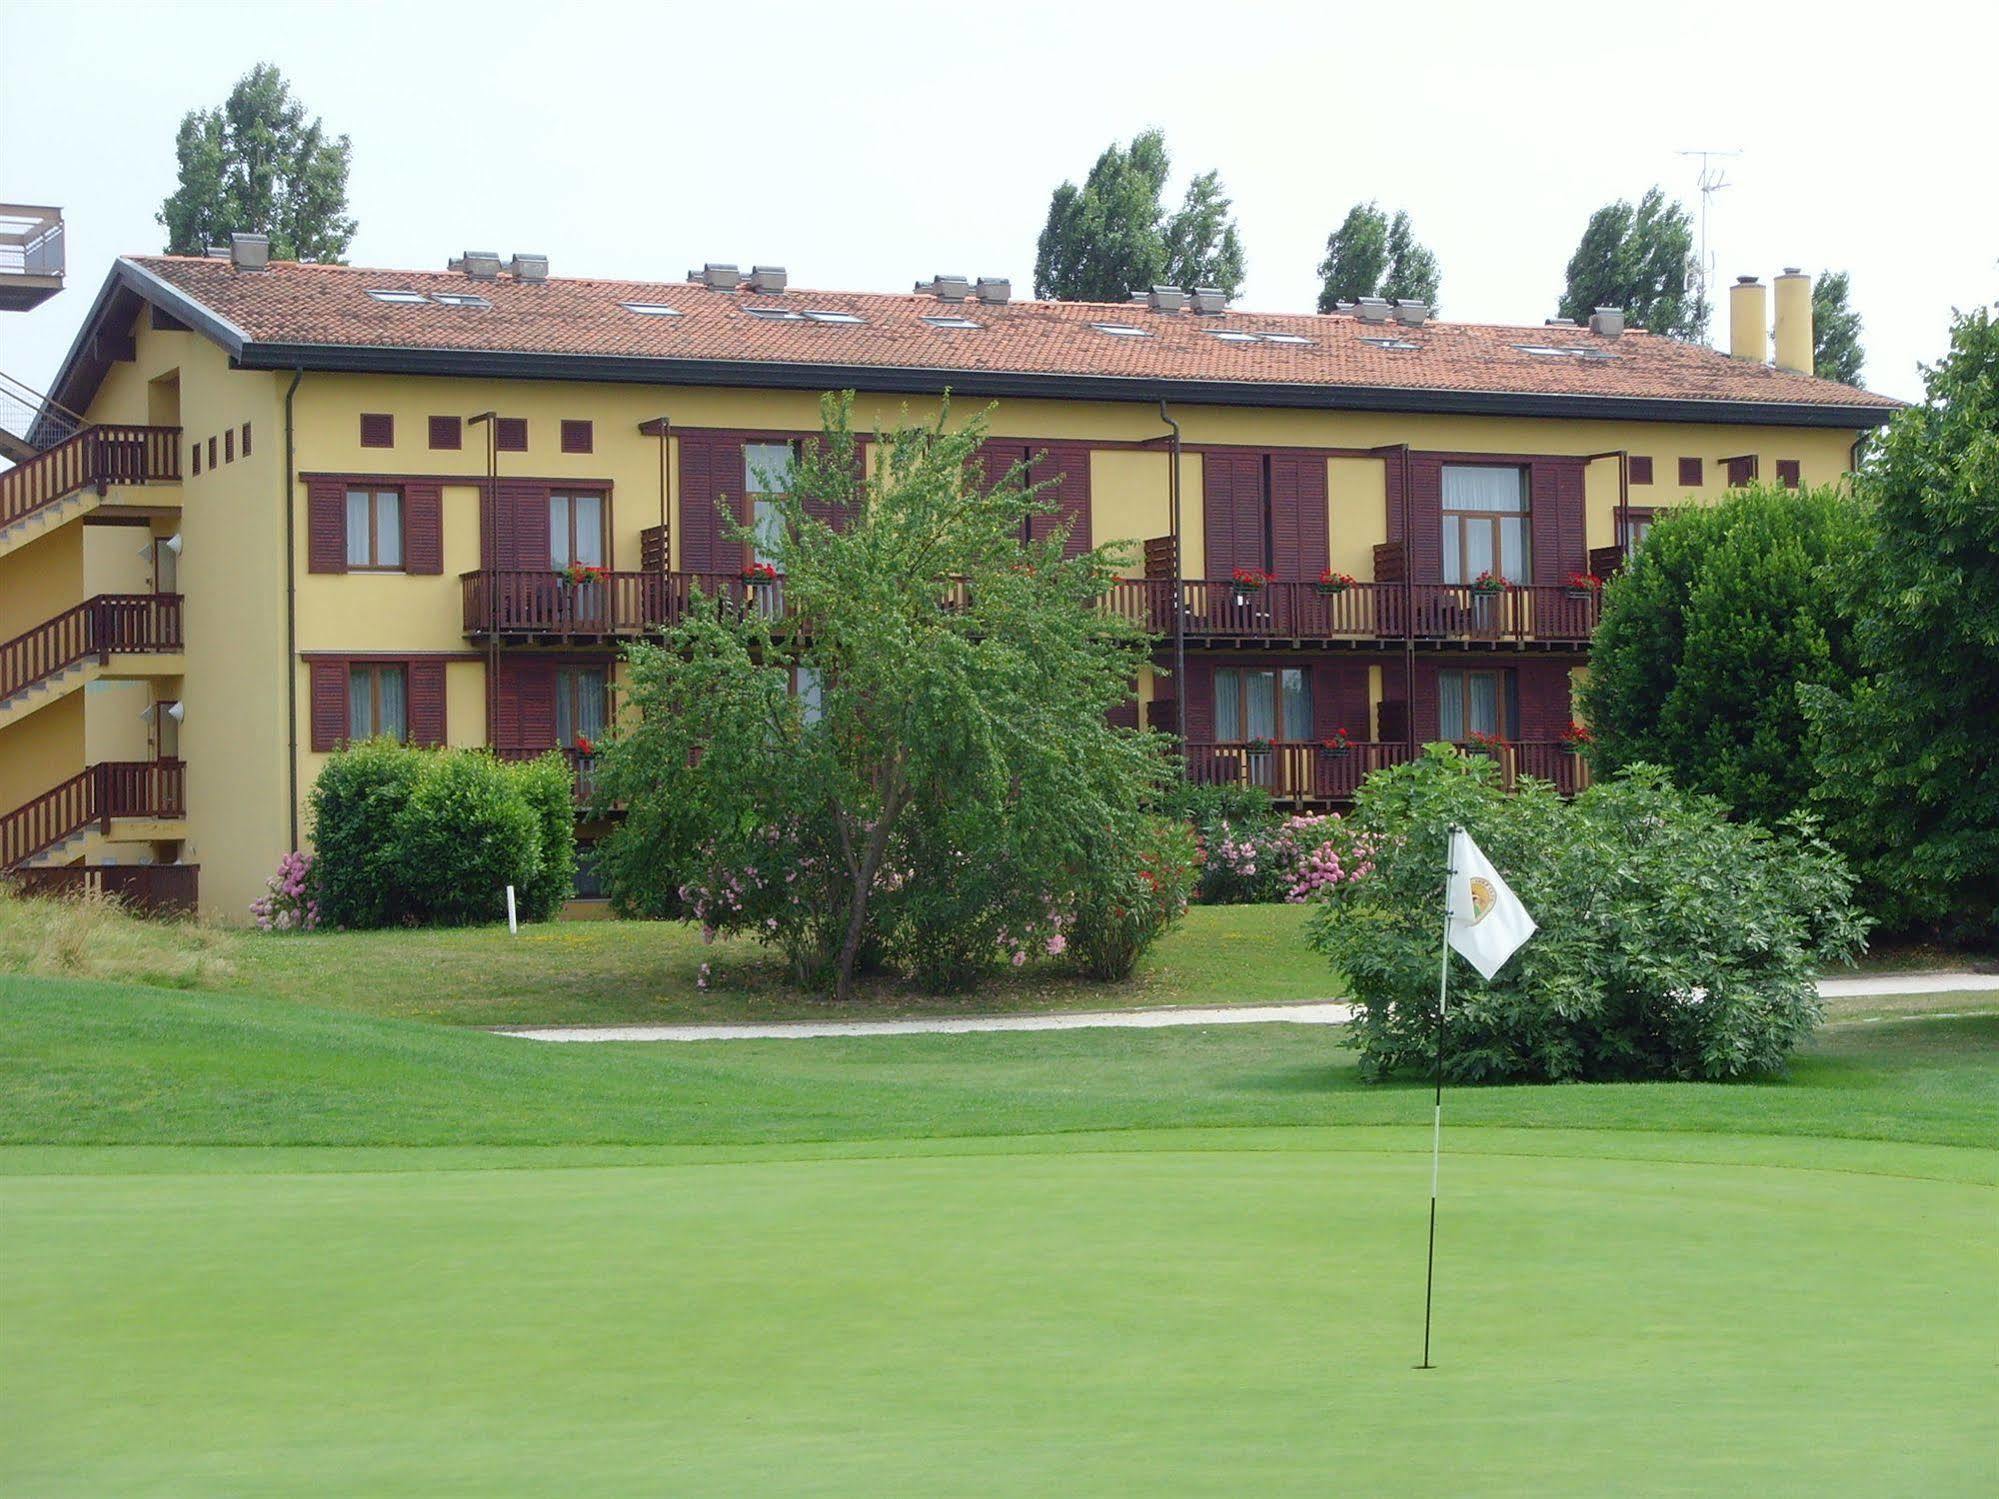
x=1487 y=922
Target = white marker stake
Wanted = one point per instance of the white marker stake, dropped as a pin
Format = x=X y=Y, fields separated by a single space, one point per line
x=513 y=922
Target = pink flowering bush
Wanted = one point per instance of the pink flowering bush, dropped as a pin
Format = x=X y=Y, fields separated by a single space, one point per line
x=1294 y=860
x=289 y=903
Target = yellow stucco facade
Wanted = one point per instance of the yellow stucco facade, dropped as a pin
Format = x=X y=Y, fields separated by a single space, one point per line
x=255 y=617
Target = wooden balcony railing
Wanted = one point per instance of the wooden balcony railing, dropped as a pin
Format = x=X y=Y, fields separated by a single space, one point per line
x=582 y=767
x=96 y=794
x=1518 y=612
x=1279 y=612
x=1293 y=771
x=149 y=889
x=96 y=458
x=101 y=626
x=538 y=605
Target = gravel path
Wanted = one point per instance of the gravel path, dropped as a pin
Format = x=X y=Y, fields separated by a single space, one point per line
x=1301 y=1012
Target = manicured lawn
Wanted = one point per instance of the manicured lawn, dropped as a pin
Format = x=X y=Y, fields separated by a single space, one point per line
x=608 y=972
x=261 y=1246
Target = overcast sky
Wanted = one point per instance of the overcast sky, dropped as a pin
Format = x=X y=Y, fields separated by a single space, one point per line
x=864 y=146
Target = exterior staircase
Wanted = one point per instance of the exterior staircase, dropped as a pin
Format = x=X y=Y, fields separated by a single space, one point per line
x=58 y=825
x=30 y=422
x=76 y=475
x=95 y=638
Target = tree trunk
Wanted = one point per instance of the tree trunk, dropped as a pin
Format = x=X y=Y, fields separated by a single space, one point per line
x=864 y=880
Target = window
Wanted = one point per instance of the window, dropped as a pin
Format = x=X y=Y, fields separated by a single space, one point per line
x=377 y=703
x=1640 y=470
x=945 y=320
x=651 y=309
x=375 y=529
x=378 y=430
x=1273 y=704
x=834 y=317
x=1243 y=336
x=1788 y=473
x=166 y=733
x=1741 y=471
x=1636 y=526
x=246 y=439
x=1559 y=351
x=582 y=696
x=1485 y=522
x=1391 y=343
x=576 y=529
x=1233 y=336
x=459 y=299
x=228 y=444
x=589 y=881
x=447 y=433
x=1690 y=471
x=196 y=451
x=396 y=294
x=767 y=469
x=1472 y=702
x=808 y=688
x=510 y=434
x=578 y=437
x=776 y=314
x=211 y=452
x=1120 y=330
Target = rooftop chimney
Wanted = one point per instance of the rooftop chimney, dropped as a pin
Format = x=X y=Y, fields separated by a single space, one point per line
x=480 y=265
x=1373 y=309
x=947 y=288
x=1748 y=321
x=250 y=252
x=1558 y=322
x=995 y=289
x=1167 y=299
x=768 y=278
x=1794 y=321
x=716 y=276
x=218 y=252
x=1411 y=313
x=1210 y=300
x=531 y=268
x=1607 y=322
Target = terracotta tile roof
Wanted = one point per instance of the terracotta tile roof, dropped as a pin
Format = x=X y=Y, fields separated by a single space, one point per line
x=330 y=306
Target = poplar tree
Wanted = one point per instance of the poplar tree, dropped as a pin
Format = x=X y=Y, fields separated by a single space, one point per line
x=1639 y=258
x=1371 y=255
x=1113 y=236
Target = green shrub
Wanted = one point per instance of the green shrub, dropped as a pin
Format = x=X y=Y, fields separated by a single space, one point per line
x=1673 y=942
x=549 y=787
x=466 y=833
x=1129 y=903
x=356 y=803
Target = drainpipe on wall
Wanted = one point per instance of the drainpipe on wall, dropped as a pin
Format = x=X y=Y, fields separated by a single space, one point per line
x=1179 y=565
x=290 y=487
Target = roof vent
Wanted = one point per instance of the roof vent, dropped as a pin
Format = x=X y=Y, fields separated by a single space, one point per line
x=947 y=288
x=1210 y=300
x=480 y=265
x=1167 y=299
x=995 y=290
x=529 y=267
x=1607 y=321
x=768 y=278
x=1558 y=322
x=716 y=276
x=250 y=252
x=218 y=252
x=1411 y=313
x=1373 y=309
x=1345 y=307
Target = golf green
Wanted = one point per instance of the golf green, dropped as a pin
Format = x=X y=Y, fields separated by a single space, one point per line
x=1226 y=1312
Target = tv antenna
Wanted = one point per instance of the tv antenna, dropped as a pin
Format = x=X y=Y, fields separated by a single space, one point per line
x=1713 y=178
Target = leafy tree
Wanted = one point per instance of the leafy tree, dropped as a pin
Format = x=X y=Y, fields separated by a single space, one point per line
x=1371 y=255
x=1673 y=943
x=1706 y=636
x=1908 y=771
x=255 y=166
x=1112 y=236
x=951 y=792
x=1642 y=260
x=1836 y=351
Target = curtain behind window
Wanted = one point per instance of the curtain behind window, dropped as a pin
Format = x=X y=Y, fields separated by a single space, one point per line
x=1451 y=705
x=1297 y=704
x=1228 y=705
x=1483 y=487
x=395 y=704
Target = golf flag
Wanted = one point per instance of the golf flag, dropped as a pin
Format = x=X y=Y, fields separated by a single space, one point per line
x=1486 y=922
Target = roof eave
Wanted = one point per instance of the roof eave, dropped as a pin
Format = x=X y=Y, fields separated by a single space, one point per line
x=912 y=380
x=140 y=284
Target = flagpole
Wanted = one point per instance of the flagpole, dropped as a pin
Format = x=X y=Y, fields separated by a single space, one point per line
x=1437 y=1104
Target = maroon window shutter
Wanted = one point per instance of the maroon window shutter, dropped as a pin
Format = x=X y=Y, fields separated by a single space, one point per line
x=1124 y=715
x=1232 y=511
x=1394 y=721
x=831 y=514
x=1690 y=471
x=1424 y=708
x=1640 y=470
x=1741 y=471
x=524 y=700
x=447 y=433
x=246 y=439
x=578 y=436
x=1543 y=691
x=378 y=430
x=1339 y=700
x=423 y=528
x=1066 y=470
x=1426 y=520
x=329 y=704
x=1788 y=473
x=1298 y=517
x=711 y=474
x=426 y=702
x=520 y=527
x=510 y=434
x=1199 y=695
x=325 y=526
x=1555 y=520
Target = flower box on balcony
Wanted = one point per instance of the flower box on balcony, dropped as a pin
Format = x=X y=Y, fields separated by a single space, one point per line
x=1331 y=583
x=1582 y=585
x=759 y=572
x=1257 y=749
x=1489 y=583
x=1336 y=746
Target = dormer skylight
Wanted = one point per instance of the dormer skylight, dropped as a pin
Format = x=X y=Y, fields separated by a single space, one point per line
x=946 y=320
x=1121 y=330
x=459 y=299
x=651 y=309
x=396 y=294
x=1391 y=343
x=834 y=317
x=1244 y=336
x=802 y=315
x=1556 y=351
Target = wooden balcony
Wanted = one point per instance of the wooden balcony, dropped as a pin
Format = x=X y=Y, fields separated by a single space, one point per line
x=95 y=458
x=545 y=608
x=1311 y=775
x=1360 y=615
x=150 y=789
x=101 y=627
x=582 y=767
